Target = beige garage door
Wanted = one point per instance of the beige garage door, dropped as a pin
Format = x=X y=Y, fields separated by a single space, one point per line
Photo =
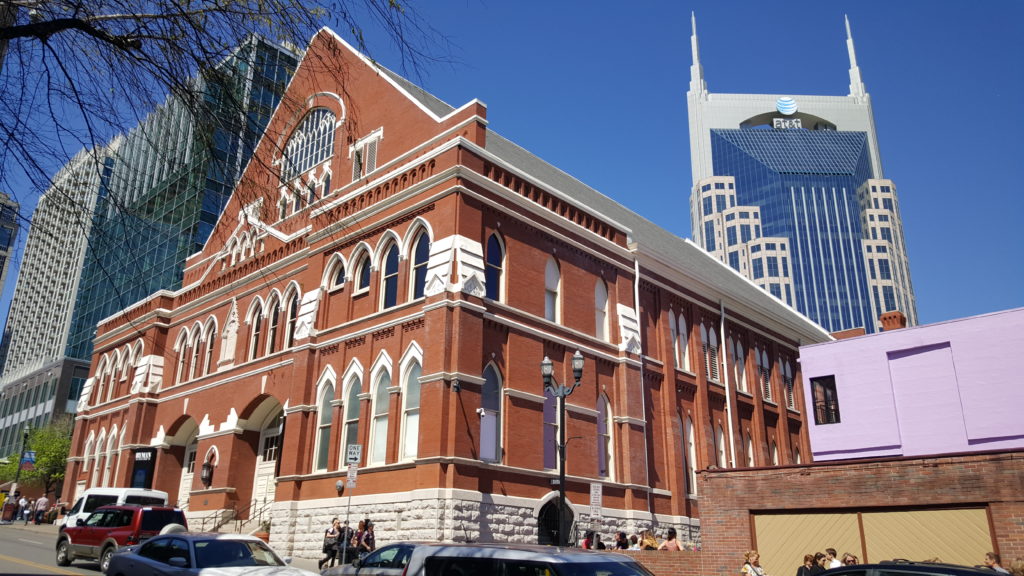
x=956 y=536
x=959 y=536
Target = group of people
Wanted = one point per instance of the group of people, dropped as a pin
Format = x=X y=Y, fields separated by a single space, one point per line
x=33 y=510
x=342 y=544
x=813 y=563
x=644 y=540
x=993 y=561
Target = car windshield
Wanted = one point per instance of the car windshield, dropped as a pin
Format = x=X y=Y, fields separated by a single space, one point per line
x=155 y=520
x=213 y=553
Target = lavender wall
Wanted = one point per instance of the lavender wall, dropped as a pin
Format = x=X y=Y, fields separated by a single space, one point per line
x=956 y=386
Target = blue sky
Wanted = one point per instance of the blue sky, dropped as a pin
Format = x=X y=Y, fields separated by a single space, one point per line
x=599 y=90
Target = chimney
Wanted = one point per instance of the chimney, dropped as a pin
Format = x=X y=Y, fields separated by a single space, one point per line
x=893 y=320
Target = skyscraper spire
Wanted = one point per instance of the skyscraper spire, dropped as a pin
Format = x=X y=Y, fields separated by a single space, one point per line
x=857 y=88
x=697 y=85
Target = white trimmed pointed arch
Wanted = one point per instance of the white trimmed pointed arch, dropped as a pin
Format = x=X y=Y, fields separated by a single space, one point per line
x=209 y=339
x=416 y=247
x=419 y=224
x=97 y=463
x=386 y=239
x=491 y=400
x=362 y=267
x=335 y=272
x=290 y=312
x=87 y=452
x=605 y=438
x=325 y=393
x=380 y=400
x=353 y=388
x=410 y=368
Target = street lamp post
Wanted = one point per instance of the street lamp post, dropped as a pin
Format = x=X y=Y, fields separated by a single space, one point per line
x=21 y=457
x=560 y=391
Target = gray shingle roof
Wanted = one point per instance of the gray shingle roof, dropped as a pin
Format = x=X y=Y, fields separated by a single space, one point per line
x=650 y=239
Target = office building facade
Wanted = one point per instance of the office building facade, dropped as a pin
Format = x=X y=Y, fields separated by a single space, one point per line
x=811 y=166
x=140 y=207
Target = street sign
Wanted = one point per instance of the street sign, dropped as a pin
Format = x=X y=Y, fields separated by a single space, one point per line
x=354 y=453
x=595 y=500
x=353 y=471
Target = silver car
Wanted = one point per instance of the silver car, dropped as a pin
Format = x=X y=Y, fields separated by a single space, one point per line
x=206 y=554
x=387 y=560
x=507 y=559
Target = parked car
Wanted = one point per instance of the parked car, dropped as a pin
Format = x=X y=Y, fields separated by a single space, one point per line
x=387 y=560
x=93 y=498
x=194 y=553
x=909 y=568
x=492 y=559
x=109 y=527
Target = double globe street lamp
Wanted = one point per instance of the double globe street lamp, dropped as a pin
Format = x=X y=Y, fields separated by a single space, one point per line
x=560 y=391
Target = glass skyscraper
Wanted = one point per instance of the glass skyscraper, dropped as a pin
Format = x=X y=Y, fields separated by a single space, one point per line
x=810 y=166
x=173 y=175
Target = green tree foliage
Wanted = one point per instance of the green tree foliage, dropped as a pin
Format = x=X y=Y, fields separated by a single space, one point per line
x=51 y=445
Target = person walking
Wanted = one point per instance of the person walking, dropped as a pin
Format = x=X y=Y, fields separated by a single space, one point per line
x=648 y=541
x=671 y=543
x=330 y=544
x=42 y=505
x=368 y=543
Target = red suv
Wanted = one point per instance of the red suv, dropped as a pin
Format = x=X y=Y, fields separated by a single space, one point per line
x=108 y=527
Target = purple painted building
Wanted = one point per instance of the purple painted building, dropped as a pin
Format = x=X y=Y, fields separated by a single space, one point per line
x=942 y=388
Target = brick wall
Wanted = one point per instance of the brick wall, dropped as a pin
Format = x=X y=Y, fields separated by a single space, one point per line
x=664 y=563
x=729 y=496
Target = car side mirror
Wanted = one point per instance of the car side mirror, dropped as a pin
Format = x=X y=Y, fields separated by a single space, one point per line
x=178 y=562
x=80 y=522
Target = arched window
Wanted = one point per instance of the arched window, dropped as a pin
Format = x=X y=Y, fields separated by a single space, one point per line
x=709 y=342
x=274 y=320
x=355 y=386
x=293 y=316
x=196 y=367
x=775 y=454
x=691 y=455
x=493 y=267
x=684 y=343
x=389 y=283
x=309 y=145
x=211 y=338
x=490 y=418
x=601 y=310
x=796 y=455
x=787 y=380
x=339 y=275
x=750 y=450
x=379 y=424
x=323 y=429
x=420 y=257
x=739 y=364
x=604 y=438
x=256 y=332
x=552 y=281
x=98 y=460
x=411 y=411
x=363 y=274
x=673 y=335
x=720 y=441
x=764 y=370
x=183 y=353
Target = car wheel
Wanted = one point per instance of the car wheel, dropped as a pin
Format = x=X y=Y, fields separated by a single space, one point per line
x=63 y=554
x=105 y=558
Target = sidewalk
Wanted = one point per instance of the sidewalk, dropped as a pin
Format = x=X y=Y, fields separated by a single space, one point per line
x=52 y=529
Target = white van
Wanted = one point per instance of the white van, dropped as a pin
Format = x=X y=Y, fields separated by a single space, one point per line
x=93 y=498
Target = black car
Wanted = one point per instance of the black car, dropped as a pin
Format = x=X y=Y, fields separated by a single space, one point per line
x=908 y=568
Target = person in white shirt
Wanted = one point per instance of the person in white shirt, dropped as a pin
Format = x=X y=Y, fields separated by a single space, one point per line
x=833 y=562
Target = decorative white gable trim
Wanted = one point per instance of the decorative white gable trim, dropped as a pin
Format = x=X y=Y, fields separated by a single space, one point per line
x=307 y=314
x=629 y=328
x=149 y=374
x=465 y=256
x=83 y=398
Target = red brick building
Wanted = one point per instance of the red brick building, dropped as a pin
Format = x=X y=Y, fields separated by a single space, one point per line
x=389 y=273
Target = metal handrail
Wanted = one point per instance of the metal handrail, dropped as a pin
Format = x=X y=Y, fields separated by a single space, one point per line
x=258 y=516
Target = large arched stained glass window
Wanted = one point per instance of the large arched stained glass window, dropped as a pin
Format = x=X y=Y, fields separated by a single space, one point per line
x=310 y=144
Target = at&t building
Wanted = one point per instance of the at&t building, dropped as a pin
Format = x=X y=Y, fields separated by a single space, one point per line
x=789 y=191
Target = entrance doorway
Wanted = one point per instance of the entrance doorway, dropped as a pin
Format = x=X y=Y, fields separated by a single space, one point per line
x=547 y=524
